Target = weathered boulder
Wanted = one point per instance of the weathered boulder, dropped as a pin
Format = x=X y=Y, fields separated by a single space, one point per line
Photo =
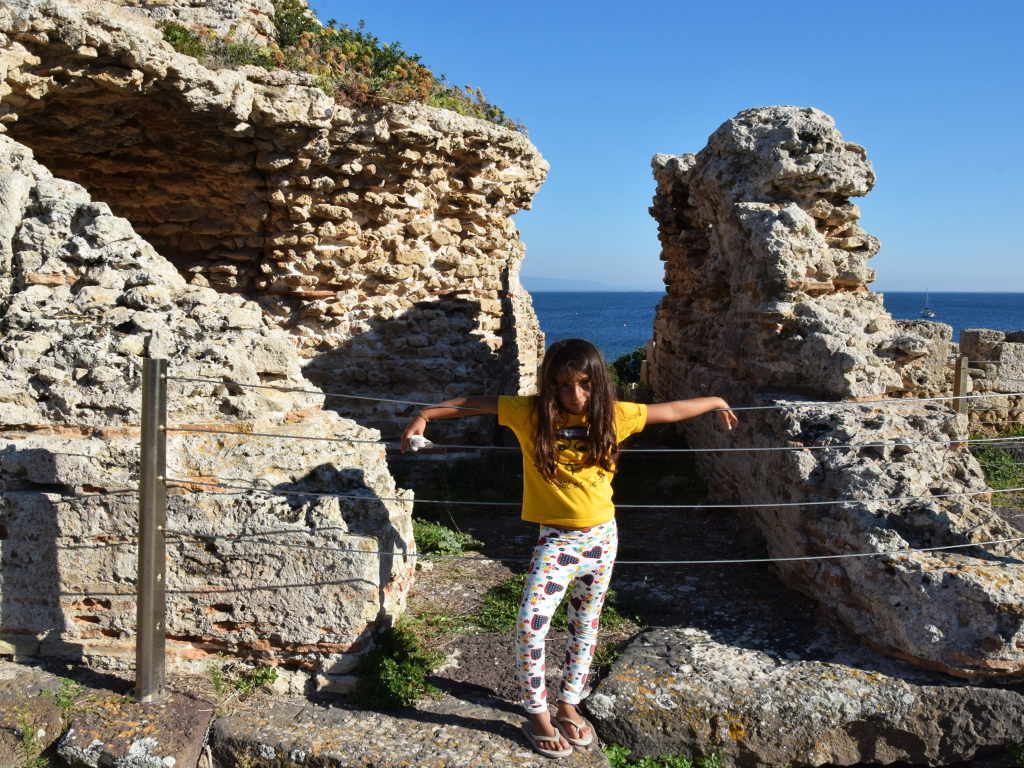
x=767 y=301
x=930 y=375
x=766 y=265
x=379 y=239
x=114 y=730
x=682 y=690
x=82 y=300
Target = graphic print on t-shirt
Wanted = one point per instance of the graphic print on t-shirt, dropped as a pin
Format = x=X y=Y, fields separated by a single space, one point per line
x=571 y=439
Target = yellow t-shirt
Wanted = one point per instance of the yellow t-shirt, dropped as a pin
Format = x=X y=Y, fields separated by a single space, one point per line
x=580 y=497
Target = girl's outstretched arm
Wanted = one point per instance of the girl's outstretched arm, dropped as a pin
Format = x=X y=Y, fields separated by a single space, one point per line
x=678 y=410
x=482 y=404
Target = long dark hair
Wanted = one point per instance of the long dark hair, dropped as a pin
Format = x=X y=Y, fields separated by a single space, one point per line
x=576 y=356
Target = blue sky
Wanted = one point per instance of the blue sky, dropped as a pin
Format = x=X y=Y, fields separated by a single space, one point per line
x=933 y=90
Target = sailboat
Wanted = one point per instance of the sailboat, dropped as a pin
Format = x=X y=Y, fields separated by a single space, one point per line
x=927 y=311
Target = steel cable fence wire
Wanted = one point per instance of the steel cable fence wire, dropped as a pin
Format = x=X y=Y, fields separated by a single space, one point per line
x=842 y=446
x=809 y=404
x=277 y=492
x=323 y=394
x=490 y=559
x=202 y=430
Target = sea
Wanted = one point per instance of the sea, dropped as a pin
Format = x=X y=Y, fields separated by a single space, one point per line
x=620 y=321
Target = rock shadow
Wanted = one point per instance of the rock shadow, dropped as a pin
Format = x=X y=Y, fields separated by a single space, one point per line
x=429 y=353
x=30 y=569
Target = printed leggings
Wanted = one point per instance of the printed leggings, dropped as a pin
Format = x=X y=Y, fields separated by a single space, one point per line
x=585 y=557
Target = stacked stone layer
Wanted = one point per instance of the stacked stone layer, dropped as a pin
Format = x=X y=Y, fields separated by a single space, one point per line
x=996 y=370
x=82 y=300
x=381 y=239
x=767 y=305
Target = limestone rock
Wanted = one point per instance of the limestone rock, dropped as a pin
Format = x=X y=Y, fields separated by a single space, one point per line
x=445 y=731
x=296 y=577
x=930 y=374
x=73 y=348
x=248 y=19
x=380 y=239
x=682 y=690
x=997 y=371
x=766 y=265
x=767 y=305
x=114 y=730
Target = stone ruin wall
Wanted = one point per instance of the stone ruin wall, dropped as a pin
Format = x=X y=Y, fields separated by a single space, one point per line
x=768 y=304
x=995 y=371
x=82 y=300
x=269 y=236
x=380 y=239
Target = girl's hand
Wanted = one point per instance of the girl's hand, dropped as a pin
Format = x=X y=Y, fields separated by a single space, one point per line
x=727 y=416
x=416 y=427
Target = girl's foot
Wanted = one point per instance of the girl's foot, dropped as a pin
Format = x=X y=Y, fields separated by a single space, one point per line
x=543 y=727
x=576 y=728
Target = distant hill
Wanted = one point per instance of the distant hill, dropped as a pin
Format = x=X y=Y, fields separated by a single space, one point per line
x=543 y=284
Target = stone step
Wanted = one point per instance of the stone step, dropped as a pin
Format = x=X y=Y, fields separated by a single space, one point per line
x=448 y=732
x=115 y=730
x=28 y=727
x=685 y=690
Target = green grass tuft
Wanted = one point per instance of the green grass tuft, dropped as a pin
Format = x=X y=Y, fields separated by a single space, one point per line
x=1015 y=755
x=65 y=698
x=394 y=672
x=618 y=757
x=434 y=537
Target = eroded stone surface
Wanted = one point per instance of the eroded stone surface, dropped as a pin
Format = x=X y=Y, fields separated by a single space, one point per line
x=681 y=690
x=997 y=371
x=766 y=264
x=380 y=240
x=28 y=727
x=448 y=733
x=114 y=730
x=248 y=19
x=767 y=299
x=73 y=345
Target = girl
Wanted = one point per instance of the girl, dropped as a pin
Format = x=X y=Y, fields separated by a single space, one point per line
x=570 y=433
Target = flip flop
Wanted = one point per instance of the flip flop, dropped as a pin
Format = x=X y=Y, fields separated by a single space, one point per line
x=536 y=741
x=585 y=741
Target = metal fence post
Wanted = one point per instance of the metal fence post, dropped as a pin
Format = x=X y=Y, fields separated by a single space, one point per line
x=960 y=381
x=151 y=608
